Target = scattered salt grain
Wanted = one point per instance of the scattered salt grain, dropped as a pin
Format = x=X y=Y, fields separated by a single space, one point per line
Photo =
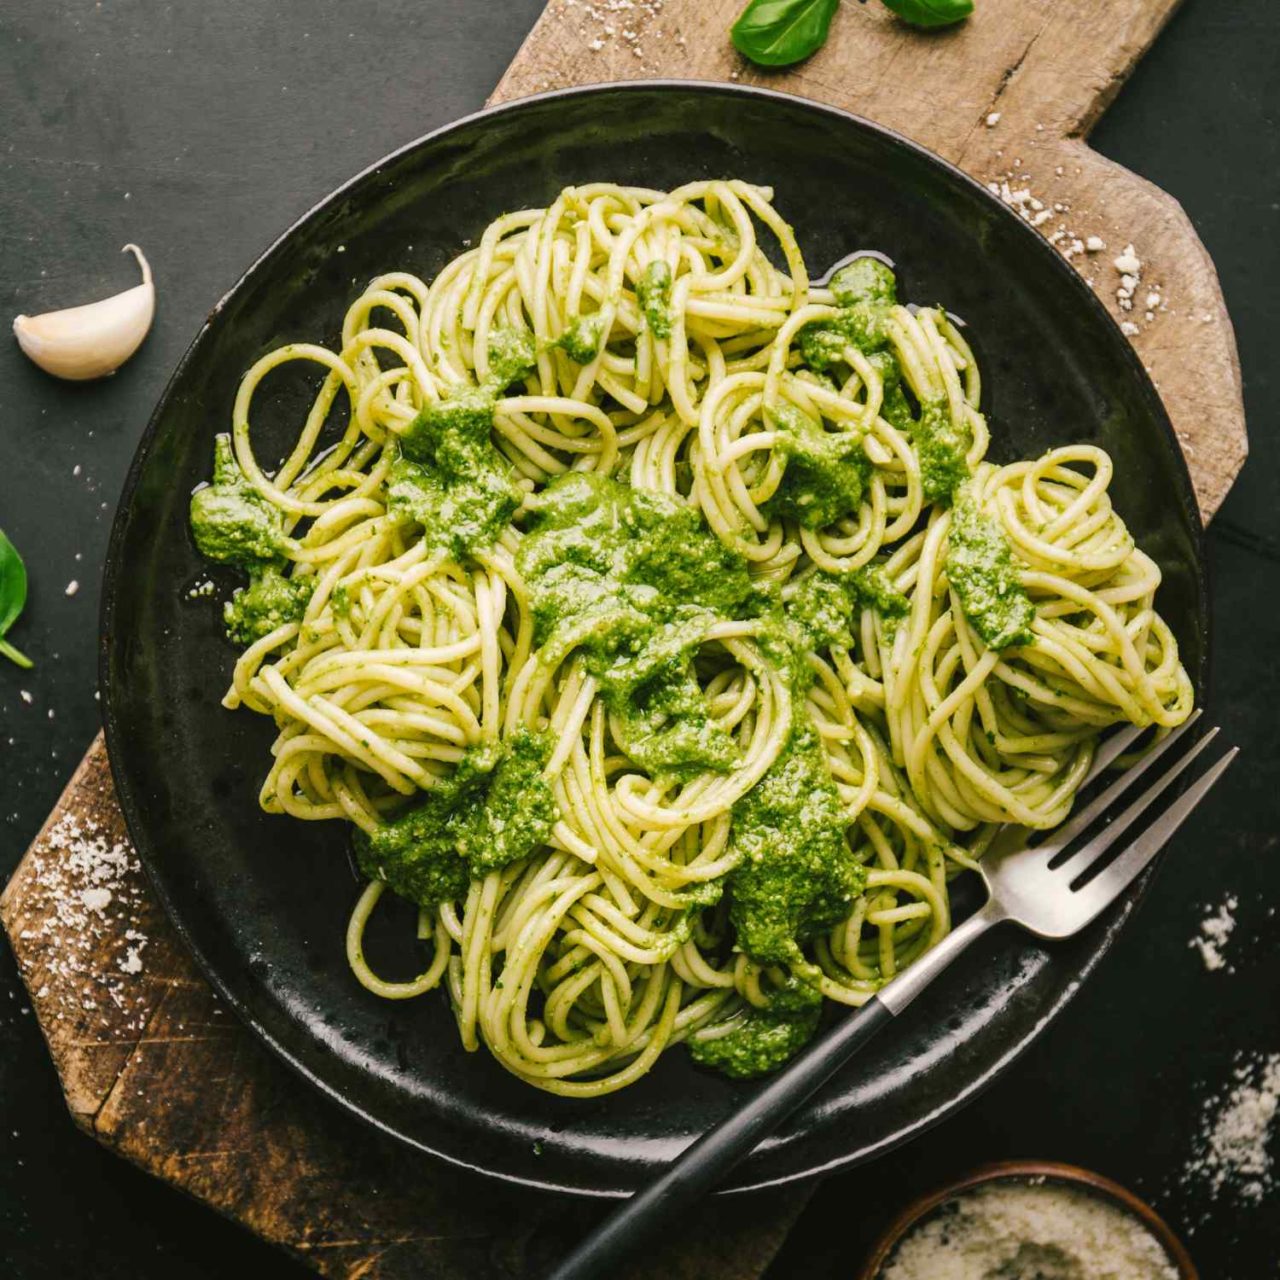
x=993 y=119
x=1216 y=927
x=25 y=695
x=72 y=587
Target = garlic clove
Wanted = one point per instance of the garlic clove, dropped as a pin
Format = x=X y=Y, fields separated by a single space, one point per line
x=94 y=340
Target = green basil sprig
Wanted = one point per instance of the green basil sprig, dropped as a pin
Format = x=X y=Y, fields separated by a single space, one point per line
x=930 y=13
x=13 y=596
x=776 y=33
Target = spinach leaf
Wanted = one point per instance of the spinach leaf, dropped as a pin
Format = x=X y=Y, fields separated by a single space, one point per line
x=776 y=33
x=930 y=13
x=13 y=596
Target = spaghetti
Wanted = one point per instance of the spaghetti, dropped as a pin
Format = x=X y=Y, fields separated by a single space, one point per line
x=658 y=625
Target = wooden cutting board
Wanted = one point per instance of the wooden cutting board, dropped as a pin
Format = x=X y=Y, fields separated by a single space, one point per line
x=154 y=1068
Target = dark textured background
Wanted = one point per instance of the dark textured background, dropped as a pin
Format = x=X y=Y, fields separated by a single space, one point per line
x=201 y=130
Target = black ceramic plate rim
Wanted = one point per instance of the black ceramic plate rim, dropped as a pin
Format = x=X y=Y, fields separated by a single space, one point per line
x=1068 y=277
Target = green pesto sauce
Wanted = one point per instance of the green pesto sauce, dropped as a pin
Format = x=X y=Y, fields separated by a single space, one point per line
x=634 y=578
x=231 y=521
x=269 y=601
x=825 y=606
x=941 y=445
x=659 y=713
x=826 y=473
x=512 y=355
x=653 y=293
x=865 y=291
x=450 y=479
x=796 y=876
x=581 y=340
x=981 y=568
x=866 y=281
x=823 y=343
x=758 y=1044
x=494 y=809
x=450 y=433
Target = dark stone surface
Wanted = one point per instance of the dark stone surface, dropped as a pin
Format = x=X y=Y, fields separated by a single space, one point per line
x=202 y=131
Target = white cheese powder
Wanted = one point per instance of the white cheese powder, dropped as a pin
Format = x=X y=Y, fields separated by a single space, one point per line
x=85 y=894
x=1029 y=1231
x=1216 y=927
x=1232 y=1154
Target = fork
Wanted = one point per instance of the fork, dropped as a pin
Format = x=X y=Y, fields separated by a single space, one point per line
x=1051 y=888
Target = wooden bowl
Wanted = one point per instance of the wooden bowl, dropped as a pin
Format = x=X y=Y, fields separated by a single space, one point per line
x=1022 y=1170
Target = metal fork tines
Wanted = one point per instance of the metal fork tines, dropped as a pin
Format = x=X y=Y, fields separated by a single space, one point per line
x=1048 y=888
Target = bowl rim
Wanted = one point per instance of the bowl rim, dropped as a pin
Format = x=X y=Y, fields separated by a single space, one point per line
x=133 y=805
x=1040 y=1171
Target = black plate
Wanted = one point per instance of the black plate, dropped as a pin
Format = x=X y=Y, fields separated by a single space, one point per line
x=263 y=901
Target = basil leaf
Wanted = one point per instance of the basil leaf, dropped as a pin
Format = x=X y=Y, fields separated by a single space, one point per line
x=13 y=596
x=930 y=13
x=776 y=33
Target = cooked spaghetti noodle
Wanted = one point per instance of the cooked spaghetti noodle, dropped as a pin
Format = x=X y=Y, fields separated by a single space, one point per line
x=659 y=627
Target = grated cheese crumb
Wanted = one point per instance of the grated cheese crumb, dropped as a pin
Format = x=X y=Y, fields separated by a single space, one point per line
x=633 y=26
x=86 y=892
x=1128 y=263
x=1028 y=1229
x=1231 y=1153
x=96 y=899
x=1216 y=927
